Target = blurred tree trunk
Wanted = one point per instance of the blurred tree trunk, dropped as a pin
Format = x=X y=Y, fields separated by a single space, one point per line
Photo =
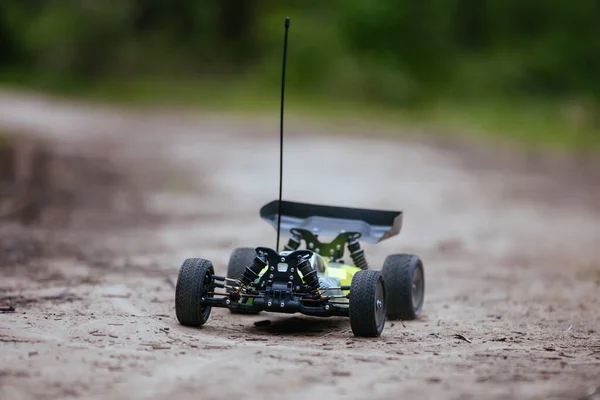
x=237 y=21
x=470 y=23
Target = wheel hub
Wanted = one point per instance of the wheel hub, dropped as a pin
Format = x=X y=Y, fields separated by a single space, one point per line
x=417 y=288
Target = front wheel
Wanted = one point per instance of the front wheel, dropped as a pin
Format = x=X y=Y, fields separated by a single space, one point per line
x=367 y=303
x=404 y=277
x=194 y=283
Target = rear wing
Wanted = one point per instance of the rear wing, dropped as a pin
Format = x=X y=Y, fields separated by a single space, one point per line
x=373 y=225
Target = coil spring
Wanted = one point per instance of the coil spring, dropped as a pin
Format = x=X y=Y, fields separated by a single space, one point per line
x=357 y=254
x=251 y=272
x=292 y=244
x=309 y=274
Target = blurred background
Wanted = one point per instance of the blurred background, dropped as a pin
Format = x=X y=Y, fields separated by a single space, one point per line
x=507 y=71
x=137 y=133
x=525 y=70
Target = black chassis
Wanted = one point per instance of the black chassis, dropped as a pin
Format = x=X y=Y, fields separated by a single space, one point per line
x=280 y=289
x=284 y=291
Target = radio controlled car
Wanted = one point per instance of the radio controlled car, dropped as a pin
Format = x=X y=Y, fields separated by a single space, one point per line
x=313 y=280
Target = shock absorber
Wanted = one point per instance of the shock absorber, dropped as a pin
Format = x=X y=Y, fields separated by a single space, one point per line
x=357 y=254
x=309 y=274
x=293 y=243
x=251 y=272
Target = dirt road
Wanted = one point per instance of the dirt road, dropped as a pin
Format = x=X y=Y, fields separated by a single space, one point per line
x=511 y=252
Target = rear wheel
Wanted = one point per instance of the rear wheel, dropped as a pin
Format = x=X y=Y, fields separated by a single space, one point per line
x=238 y=261
x=404 y=277
x=193 y=284
x=367 y=303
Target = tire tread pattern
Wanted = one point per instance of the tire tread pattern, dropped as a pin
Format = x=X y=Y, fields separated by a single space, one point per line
x=398 y=274
x=362 y=301
x=188 y=292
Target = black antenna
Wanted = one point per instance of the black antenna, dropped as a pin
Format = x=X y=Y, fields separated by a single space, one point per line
x=285 y=41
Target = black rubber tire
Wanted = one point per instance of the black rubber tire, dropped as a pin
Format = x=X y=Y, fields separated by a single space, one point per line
x=238 y=261
x=367 y=303
x=240 y=258
x=398 y=271
x=193 y=283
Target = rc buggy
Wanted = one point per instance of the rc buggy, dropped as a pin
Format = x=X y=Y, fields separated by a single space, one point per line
x=313 y=279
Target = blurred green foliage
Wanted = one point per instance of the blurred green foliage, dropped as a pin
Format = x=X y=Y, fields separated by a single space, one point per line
x=395 y=53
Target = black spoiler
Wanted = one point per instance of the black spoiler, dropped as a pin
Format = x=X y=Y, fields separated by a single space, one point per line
x=373 y=225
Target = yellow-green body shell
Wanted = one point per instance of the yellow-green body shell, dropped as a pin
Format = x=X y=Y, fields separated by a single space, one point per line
x=330 y=272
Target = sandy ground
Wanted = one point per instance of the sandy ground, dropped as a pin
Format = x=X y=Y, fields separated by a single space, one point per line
x=511 y=251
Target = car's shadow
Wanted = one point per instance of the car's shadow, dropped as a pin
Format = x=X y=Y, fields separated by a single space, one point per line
x=300 y=326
